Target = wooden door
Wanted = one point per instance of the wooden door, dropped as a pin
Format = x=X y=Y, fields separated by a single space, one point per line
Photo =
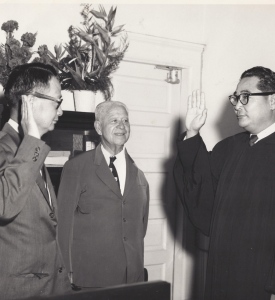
x=154 y=110
x=157 y=110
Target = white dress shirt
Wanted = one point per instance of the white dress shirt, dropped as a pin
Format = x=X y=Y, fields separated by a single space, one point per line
x=266 y=132
x=14 y=125
x=120 y=164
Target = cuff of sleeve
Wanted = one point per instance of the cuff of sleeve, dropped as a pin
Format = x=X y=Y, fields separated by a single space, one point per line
x=33 y=149
x=187 y=149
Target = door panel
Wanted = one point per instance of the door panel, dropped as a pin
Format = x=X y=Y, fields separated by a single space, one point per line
x=154 y=110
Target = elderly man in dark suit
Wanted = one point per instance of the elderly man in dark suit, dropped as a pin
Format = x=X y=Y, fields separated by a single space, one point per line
x=103 y=207
x=30 y=259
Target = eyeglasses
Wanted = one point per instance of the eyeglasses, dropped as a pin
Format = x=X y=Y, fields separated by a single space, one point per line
x=244 y=97
x=46 y=97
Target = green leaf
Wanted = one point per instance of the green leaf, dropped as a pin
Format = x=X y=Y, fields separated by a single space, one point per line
x=51 y=55
x=99 y=15
x=117 y=29
x=84 y=46
x=104 y=34
x=102 y=10
x=62 y=53
x=77 y=78
x=94 y=73
x=86 y=37
x=110 y=12
x=100 y=54
x=111 y=18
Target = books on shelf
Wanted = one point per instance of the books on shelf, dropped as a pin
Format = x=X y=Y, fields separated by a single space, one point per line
x=57 y=158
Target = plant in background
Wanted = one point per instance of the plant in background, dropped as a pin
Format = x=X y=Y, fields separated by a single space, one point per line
x=93 y=52
x=47 y=57
x=12 y=53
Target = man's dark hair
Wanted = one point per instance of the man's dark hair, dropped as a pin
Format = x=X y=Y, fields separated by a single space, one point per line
x=26 y=78
x=265 y=75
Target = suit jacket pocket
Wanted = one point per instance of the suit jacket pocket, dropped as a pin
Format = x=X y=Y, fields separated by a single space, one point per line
x=84 y=208
x=84 y=203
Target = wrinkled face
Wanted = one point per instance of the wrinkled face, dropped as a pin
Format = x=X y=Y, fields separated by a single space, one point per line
x=114 y=129
x=257 y=114
x=45 y=111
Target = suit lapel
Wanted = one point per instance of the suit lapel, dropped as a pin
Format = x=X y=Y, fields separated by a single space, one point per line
x=51 y=190
x=104 y=173
x=131 y=174
x=41 y=184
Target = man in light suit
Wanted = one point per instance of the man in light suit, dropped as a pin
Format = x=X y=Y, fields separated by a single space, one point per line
x=103 y=207
x=30 y=259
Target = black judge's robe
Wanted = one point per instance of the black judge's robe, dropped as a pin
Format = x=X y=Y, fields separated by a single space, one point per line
x=229 y=194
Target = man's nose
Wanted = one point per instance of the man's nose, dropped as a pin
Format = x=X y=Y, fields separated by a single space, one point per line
x=238 y=105
x=121 y=124
x=59 y=111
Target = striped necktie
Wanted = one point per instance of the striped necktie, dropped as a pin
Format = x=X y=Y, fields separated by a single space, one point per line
x=252 y=140
x=113 y=168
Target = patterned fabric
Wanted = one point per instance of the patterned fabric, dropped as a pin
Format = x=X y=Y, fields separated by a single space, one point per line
x=113 y=168
x=252 y=140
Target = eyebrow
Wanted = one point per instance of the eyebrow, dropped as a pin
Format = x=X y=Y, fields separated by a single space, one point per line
x=242 y=92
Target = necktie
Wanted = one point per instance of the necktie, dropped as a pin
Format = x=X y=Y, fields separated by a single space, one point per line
x=113 y=168
x=253 y=138
x=42 y=183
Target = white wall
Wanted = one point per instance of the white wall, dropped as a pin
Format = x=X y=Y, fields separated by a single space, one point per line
x=237 y=37
x=52 y=20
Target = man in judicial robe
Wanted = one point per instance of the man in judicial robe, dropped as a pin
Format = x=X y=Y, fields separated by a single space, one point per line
x=103 y=207
x=30 y=260
x=229 y=193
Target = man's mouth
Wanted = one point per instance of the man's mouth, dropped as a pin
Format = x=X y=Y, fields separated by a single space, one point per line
x=239 y=116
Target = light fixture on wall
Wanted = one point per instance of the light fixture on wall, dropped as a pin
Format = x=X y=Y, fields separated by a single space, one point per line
x=172 y=75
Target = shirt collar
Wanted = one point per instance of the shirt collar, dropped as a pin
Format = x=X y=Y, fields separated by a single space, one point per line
x=266 y=132
x=14 y=125
x=107 y=154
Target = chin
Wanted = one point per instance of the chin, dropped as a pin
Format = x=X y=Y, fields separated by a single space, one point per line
x=51 y=128
x=243 y=123
x=121 y=142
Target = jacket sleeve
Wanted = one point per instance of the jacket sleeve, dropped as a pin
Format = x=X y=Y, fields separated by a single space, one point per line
x=18 y=173
x=67 y=201
x=196 y=180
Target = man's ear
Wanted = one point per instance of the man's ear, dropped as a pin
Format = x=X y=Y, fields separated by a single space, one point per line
x=272 y=102
x=98 y=127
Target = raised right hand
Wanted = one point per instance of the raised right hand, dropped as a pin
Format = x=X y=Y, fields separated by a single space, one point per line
x=28 y=123
x=196 y=113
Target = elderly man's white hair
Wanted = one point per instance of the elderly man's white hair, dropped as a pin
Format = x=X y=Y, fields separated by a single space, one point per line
x=103 y=107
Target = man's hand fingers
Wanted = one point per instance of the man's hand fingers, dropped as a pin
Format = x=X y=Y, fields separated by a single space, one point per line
x=202 y=101
x=194 y=99
x=189 y=103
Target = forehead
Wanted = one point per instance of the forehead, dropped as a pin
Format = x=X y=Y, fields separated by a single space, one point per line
x=52 y=86
x=116 y=110
x=248 y=84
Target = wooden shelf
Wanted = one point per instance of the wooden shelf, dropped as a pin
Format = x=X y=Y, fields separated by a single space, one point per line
x=76 y=120
x=69 y=134
x=69 y=131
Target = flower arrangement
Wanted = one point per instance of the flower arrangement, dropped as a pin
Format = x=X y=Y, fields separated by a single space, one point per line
x=86 y=62
x=13 y=53
x=93 y=52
